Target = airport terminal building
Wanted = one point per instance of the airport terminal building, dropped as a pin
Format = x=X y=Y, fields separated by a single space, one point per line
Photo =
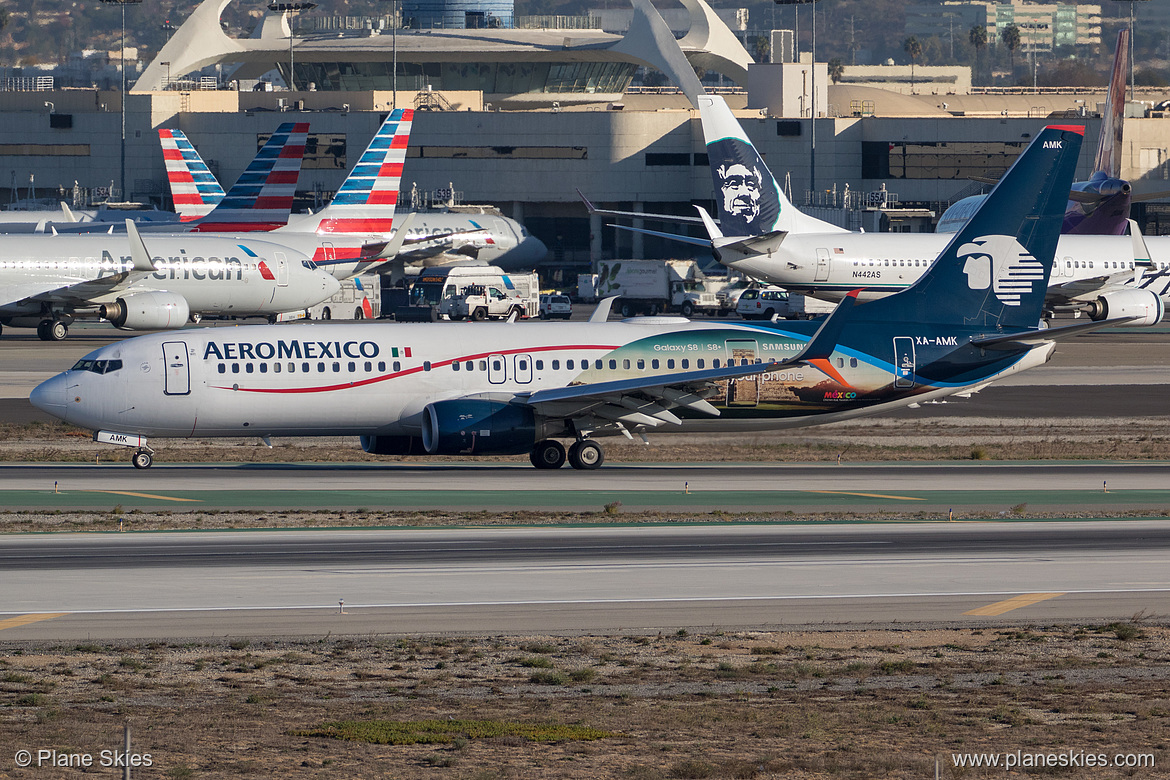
x=523 y=118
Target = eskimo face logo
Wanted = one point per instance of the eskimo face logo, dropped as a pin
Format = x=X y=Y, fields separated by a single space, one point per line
x=749 y=202
x=1001 y=263
x=740 y=188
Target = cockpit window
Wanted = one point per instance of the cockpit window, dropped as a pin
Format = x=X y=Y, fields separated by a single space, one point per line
x=97 y=366
x=309 y=264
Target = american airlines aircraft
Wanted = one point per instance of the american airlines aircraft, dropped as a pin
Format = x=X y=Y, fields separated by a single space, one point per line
x=260 y=200
x=763 y=235
x=47 y=282
x=436 y=237
x=483 y=388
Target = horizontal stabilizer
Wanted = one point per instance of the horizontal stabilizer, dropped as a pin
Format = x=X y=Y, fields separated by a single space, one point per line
x=1013 y=341
x=635 y=214
x=706 y=242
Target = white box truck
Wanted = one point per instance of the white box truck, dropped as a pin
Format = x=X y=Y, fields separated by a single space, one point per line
x=655 y=287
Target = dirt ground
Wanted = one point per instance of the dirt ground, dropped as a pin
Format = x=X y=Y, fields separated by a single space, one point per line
x=816 y=704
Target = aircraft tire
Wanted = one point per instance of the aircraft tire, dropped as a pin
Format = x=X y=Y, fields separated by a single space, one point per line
x=548 y=454
x=141 y=459
x=586 y=455
x=52 y=330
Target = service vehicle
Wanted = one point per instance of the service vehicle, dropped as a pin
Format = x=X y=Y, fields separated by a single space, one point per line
x=769 y=302
x=656 y=287
x=555 y=306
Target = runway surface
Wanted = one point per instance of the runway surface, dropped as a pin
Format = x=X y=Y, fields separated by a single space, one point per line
x=1059 y=486
x=181 y=585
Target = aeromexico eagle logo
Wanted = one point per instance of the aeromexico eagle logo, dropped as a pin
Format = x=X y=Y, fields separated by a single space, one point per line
x=1001 y=263
x=748 y=202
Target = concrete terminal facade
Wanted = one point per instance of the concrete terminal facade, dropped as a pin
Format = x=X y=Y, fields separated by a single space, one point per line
x=635 y=151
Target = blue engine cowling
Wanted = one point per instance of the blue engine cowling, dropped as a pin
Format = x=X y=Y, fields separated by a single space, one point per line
x=477 y=427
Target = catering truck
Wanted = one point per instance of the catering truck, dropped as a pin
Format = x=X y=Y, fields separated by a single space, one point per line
x=656 y=287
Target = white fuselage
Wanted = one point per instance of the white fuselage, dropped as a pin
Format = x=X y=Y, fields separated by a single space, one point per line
x=216 y=275
x=377 y=378
x=829 y=265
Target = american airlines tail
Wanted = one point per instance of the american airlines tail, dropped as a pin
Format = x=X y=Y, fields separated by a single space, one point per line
x=262 y=198
x=194 y=188
x=749 y=199
x=365 y=203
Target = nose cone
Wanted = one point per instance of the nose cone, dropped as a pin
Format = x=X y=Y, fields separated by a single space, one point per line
x=533 y=249
x=49 y=396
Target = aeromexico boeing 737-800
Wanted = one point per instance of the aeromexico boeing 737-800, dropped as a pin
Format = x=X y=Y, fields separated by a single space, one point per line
x=504 y=388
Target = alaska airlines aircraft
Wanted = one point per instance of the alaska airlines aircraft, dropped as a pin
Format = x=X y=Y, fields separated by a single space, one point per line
x=503 y=388
x=763 y=235
x=436 y=238
x=48 y=281
x=1100 y=205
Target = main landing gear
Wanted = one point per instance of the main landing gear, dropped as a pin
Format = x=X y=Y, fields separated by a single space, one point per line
x=585 y=454
x=142 y=459
x=52 y=330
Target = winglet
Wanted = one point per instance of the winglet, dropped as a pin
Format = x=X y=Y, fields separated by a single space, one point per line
x=138 y=252
x=394 y=245
x=68 y=212
x=588 y=205
x=712 y=229
x=824 y=341
x=601 y=313
x=1141 y=253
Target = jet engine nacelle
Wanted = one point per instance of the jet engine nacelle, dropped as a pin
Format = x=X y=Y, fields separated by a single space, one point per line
x=393 y=445
x=478 y=427
x=1143 y=304
x=147 y=311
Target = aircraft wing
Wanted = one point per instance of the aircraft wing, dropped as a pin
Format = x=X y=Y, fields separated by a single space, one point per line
x=641 y=401
x=1087 y=288
x=80 y=293
x=649 y=400
x=89 y=290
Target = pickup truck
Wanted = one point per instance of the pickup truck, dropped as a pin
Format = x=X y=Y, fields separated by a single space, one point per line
x=481 y=303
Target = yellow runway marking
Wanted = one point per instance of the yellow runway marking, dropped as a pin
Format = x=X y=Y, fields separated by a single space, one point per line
x=144 y=495
x=1000 y=607
x=866 y=495
x=24 y=620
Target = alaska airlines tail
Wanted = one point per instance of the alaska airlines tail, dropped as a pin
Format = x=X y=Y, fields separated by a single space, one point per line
x=194 y=188
x=994 y=272
x=365 y=203
x=262 y=198
x=750 y=201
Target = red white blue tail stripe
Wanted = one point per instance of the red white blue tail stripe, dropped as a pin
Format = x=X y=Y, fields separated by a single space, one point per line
x=365 y=203
x=194 y=188
x=262 y=198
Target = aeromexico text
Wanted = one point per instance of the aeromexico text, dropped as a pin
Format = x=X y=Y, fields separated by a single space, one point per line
x=295 y=348
x=179 y=267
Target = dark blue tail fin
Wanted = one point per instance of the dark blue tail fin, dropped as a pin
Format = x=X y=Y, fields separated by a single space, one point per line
x=994 y=272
